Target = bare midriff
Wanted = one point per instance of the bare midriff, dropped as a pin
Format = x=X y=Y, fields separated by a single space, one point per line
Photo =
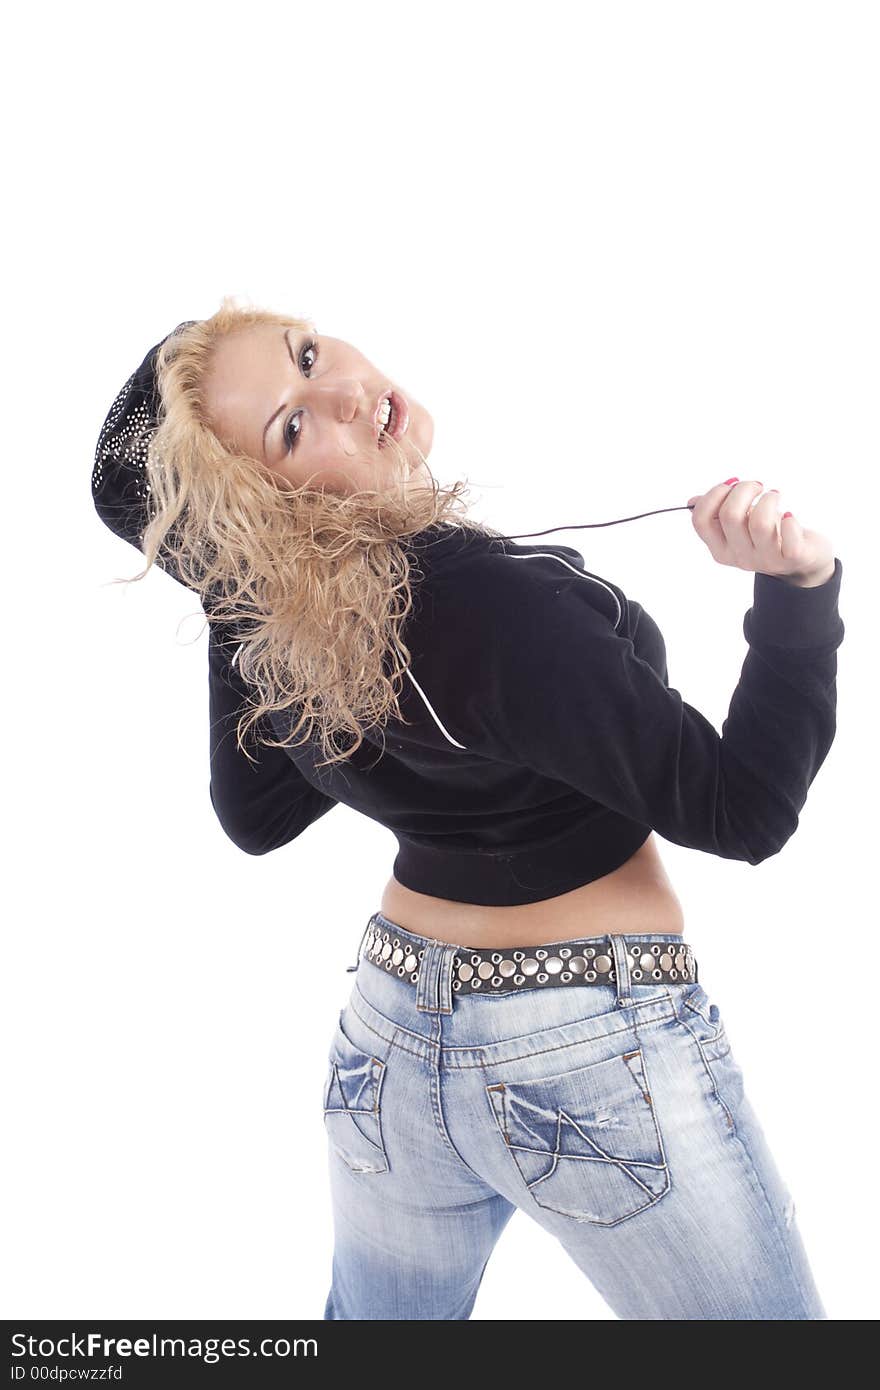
x=638 y=897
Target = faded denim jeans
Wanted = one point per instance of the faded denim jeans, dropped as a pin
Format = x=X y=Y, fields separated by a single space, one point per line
x=612 y=1114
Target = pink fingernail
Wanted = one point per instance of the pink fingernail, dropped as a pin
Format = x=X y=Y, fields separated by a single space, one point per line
x=785 y=514
x=728 y=481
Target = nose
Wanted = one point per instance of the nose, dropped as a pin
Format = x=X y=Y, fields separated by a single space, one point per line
x=346 y=398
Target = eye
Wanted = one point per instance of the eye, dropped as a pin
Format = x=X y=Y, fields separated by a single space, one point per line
x=309 y=346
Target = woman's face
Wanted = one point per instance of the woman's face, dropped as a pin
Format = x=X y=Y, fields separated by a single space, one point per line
x=306 y=405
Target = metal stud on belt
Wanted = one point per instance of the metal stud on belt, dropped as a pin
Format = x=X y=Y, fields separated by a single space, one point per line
x=529 y=967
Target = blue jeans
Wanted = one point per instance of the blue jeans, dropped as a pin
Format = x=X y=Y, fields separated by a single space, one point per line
x=612 y=1114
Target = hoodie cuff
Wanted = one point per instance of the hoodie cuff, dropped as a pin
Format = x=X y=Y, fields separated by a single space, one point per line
x=788 y=615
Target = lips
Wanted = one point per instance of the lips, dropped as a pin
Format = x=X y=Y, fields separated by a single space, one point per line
x=399 y=414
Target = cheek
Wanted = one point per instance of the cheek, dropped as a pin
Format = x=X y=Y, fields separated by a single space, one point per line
x=336 y=466
x=339 y=475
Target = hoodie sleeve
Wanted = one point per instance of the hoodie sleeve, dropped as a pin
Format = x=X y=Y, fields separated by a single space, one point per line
x=264 y=805
x=550 y=680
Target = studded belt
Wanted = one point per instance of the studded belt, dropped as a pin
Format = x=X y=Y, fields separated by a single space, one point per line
x=533 y=967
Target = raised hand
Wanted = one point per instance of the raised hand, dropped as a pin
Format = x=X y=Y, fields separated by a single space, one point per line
x=750 y=535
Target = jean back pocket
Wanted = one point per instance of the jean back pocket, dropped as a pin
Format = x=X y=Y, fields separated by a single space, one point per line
x=353 y=1105
x=586 y=1142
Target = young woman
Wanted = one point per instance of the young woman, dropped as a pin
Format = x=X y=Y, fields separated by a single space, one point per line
x=526 y=1027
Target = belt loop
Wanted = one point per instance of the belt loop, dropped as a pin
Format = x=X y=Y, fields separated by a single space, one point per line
x=434 y=985
x=621 y=969
x=426 y=985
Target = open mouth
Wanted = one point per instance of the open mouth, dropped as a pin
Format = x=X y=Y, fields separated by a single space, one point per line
x=392 y=417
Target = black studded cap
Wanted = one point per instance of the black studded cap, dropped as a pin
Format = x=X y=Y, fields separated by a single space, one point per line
x=120 y=488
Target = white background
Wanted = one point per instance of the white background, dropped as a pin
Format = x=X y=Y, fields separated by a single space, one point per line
x=621 y=252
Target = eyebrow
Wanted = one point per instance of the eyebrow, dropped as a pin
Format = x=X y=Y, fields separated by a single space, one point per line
x=283 y=407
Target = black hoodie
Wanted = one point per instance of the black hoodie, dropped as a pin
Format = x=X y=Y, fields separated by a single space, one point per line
x=544 y=741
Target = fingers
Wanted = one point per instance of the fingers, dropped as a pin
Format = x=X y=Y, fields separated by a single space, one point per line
x=741 y=527
x=708 y=504
x=791 y=539
x=734 y=508
x=762 y=521
x=707 y=512
x=734 y=525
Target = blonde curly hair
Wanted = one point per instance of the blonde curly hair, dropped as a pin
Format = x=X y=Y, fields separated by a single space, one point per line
x=317 y=584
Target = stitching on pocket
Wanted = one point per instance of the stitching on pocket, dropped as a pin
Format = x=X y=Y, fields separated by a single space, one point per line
x=355 y=1129
x=517 y=1124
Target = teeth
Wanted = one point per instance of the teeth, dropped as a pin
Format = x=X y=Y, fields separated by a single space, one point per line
x=385 y=412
